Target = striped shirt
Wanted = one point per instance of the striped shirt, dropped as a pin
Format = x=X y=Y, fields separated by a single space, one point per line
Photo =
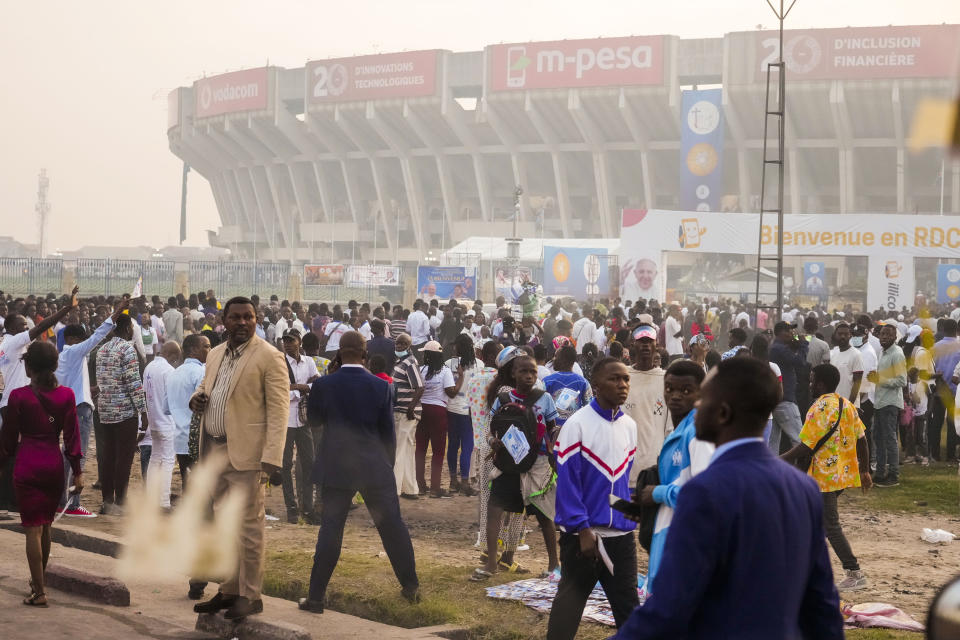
x=397 y=327
x=118 y=376
x=215 y=423
x=406 y=381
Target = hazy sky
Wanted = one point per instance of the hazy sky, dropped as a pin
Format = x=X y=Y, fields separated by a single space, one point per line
x=85 y=83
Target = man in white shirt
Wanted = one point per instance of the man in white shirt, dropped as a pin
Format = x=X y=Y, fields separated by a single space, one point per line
x=471 y=328
x=334 y=330
x=848 y=362
x=645 y=402
x=418 y=326
x=288 y=321
x=156 y=321
x=584 y=330
x=867 y=388
x=15 y=344
x=173 y=322
x=364 y=328
x=163 y=428
x=673 y=333
x=302 y=372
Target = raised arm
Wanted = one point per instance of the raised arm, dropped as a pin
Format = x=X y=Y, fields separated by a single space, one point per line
x=51 y=321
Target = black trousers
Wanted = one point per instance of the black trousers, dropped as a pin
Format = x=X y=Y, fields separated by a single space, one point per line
x=119 y=447
x=302 y=439
x=184 y=461
x=866 y=417
x=941 y=410
x=578 y=576
x=384 y=508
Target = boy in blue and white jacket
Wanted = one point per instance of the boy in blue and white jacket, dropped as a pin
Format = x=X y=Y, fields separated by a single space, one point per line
x=595 y=451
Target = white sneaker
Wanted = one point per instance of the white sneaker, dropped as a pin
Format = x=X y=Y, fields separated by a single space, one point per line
x=855 y=580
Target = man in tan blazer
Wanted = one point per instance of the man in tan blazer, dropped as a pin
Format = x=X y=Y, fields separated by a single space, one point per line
x=245 y=401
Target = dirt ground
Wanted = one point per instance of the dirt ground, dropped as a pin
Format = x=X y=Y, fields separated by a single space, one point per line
x=901 y=568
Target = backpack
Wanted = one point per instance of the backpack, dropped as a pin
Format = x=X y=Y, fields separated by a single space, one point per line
x=511 y=413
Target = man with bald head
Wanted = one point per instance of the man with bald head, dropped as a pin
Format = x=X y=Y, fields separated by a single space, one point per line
x=357 y=454
x=163 y=428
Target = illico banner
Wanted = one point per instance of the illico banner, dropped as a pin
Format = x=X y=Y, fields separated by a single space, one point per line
x=701 y=150
x=246 y=90
x=409 y=74
x=634 y=60
x=891 y=284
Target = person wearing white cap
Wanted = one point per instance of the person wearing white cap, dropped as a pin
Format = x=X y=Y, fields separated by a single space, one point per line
x=645 y=403
x=439 y=387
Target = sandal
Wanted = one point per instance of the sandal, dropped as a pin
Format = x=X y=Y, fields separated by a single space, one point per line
x=34 y=600
x=480 y=575
x=513 y=568
x=484 y=556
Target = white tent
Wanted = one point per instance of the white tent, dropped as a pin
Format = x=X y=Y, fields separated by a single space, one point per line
x=531 y=249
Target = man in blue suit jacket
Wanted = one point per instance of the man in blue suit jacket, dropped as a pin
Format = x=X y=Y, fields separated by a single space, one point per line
x=745 y=557
x=356 y=454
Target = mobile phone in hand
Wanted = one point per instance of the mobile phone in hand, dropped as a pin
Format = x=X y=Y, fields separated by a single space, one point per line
x=625 y=506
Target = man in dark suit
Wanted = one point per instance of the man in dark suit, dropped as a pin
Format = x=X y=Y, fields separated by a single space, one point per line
x=356 y=454
x=745 y=557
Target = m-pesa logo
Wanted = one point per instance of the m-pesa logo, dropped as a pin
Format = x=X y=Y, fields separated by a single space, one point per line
x=577 y=63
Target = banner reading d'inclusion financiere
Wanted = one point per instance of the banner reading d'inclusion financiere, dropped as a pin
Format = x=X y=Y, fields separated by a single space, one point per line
x=579 y=272
x=701 y=144
x=446 y=283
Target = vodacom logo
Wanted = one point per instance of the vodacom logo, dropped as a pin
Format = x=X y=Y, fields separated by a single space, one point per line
x=206 y=96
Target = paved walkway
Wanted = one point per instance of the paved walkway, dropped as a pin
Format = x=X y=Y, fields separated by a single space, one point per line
x=155 y=611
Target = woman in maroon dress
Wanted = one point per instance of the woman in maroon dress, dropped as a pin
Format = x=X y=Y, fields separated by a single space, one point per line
x=36 y=416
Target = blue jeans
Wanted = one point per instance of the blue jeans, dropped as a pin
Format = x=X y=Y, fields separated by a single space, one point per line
x=459 y=438
x=885 y=423
x=786 y=420
x=85 y=421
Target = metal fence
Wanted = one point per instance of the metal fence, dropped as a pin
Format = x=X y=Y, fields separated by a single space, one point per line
x=228 y=278
x=98 y=276
x=23 y=276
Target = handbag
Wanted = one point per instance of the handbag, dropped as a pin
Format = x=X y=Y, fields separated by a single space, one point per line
x=648 y=515
x=804 y=460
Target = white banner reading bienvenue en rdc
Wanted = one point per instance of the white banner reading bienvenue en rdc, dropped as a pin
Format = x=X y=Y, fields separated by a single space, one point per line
x=891 y=241
x=891 y=285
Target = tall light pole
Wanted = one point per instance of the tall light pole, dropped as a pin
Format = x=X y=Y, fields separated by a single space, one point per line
x=43 y=208
x=513 y=244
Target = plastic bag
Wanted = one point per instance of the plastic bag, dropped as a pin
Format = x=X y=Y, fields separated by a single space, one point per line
x=935 y=536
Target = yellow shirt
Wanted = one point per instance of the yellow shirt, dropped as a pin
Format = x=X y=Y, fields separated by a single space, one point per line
x=835 y=465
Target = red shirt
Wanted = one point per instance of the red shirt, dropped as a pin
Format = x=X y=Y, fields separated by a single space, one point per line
x=384 y=376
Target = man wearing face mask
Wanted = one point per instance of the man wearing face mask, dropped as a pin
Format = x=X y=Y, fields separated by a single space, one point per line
x=408 y=387
x=867 y=388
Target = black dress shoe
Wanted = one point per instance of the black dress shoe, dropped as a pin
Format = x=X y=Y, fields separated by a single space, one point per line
x=216 y=603
x=411 y=594
x=242 y=608
x=313 y=606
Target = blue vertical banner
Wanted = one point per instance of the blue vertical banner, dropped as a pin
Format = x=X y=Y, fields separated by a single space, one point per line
x=948 y=283
x=577 y=272
x=701 y=149
x=814 y=279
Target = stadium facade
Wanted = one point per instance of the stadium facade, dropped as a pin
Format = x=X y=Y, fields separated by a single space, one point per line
x=391 y=157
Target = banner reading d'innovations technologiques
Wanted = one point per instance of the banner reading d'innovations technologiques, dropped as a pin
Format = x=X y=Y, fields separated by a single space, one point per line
x=446 y=282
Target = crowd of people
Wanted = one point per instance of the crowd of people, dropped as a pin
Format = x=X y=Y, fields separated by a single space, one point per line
x=554 y=412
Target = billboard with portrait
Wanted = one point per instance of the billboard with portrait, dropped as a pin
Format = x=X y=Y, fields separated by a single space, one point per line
x=446 y=282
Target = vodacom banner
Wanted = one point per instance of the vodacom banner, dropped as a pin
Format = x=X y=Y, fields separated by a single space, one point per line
x=886 y=238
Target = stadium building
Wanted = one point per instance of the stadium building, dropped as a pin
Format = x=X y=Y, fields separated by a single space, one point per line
x=392 y=158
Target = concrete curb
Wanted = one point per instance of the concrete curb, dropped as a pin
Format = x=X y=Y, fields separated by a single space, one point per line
x=101 y=543
x=252 y=628
x=97 y=588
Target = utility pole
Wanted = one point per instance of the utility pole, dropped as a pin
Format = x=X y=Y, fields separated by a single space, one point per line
x=513 y=244
x=778 y=112
x=43 y=209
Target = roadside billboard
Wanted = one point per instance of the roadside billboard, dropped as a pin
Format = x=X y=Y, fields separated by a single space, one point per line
x=633 y=60
x=574 y=271
x=322 y=274
x=410 y=74
x=373 y=275
x=446 y=283
x=916 y=51
x=246 y=90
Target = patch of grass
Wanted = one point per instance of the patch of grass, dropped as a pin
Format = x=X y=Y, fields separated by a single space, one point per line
x=936 y=485
x=365 y=586
x=882 y=634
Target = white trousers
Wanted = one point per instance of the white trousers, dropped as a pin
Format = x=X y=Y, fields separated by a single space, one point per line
x=404 y=467
x=162 y=459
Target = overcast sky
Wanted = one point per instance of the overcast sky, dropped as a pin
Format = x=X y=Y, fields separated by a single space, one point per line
x=85 y=83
